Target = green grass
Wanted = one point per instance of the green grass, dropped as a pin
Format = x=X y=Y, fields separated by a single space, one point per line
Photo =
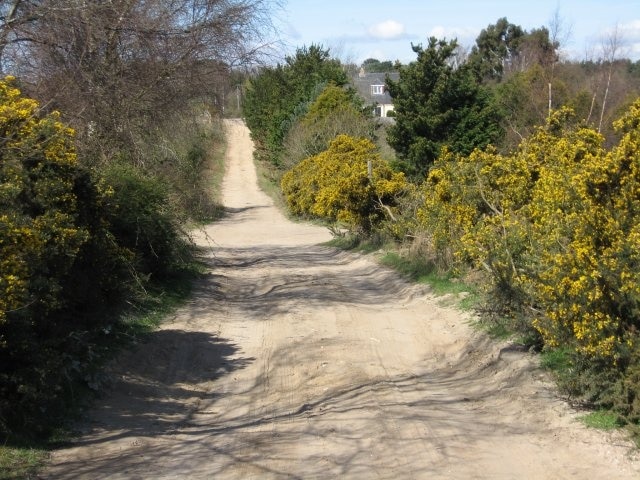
x=415 y=270
x=269 y=183
x=21 y=462
x=216 y=168
x=426 y=273
x=354 y=244
x=602 y=420
x=557 y=360
x=495 y=329
x=161 y=302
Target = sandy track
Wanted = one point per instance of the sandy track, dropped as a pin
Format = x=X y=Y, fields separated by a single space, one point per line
x=294 y=360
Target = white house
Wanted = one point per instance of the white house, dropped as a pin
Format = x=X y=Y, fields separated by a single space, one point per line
x=371 y=87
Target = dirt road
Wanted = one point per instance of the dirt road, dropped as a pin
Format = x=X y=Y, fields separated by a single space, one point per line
x=297 y=361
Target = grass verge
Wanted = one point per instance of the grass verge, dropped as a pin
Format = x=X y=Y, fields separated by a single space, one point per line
x=21 y=462
x=426 y=273
x=269 y=183
x=415 y=269
x=354 y=244
x=214 y=172
x=602 y=420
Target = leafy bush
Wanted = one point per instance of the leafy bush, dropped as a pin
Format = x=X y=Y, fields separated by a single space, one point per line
x=74 y=251
x=334 y=185
x=180 y=153
x=336 y=111
x=471 y=211
x=279 y=96
x=555 y=226
x=142 y=219
x=54 y=244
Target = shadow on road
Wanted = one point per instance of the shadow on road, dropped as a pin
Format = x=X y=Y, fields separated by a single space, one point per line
x=276 y=280
x=154 y=387
x=349 y=423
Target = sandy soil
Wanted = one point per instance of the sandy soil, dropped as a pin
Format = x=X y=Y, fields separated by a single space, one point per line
x=298 y=361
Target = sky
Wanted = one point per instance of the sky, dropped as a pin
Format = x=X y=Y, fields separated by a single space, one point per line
x=355 y=30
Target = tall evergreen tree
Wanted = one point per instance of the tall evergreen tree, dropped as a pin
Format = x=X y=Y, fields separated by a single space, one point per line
x=279 y=95
x=438 y=104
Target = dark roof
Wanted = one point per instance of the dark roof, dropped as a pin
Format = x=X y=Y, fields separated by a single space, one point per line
x=364 y=81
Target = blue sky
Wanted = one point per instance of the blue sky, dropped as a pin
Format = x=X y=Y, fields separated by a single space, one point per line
x=383 y=29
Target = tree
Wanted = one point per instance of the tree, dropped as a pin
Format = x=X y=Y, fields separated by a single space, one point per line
x=279 y=96
x=437 y=105
x=610 y=47
x=496 y=48
x=504 y=48
x=373 y=65
x=114 y=68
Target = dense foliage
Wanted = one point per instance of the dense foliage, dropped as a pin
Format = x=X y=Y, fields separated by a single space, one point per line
x=61 y=266
x=99 y=176
x=334 y=112
x=78 y=248
x=437 y=103
x=521 y=179
x=555 y=227
x=335 y=185
x=279 y=96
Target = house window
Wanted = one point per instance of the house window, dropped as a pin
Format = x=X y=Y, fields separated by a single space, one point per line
x=377 y=89
x=378 y=111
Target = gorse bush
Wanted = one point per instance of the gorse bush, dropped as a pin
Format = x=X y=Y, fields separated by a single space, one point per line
x=555 y=227
x=75 y=250
x=335 y=185
x=51 y=224
x=336 y=111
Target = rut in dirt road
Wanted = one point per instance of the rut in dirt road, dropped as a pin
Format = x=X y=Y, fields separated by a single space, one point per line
x=296 y=361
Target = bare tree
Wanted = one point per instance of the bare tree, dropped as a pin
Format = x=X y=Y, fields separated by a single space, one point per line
x=559 y=34
x=115 y=67
x=610 y=47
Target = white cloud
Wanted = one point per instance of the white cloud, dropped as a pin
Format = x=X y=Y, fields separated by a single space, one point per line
x=631 y=37
x=627 y=36
x=631 y=29
x=387 y=30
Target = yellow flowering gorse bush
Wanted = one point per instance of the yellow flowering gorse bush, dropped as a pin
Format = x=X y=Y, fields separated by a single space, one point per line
x=335 y=185
x=37 y=201
x=555 y=224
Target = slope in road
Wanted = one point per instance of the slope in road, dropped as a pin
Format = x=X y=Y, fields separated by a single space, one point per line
x=294 y=360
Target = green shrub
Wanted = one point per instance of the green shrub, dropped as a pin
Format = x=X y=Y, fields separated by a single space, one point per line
x=76 y=249
x=334 y=185
x=61 y=266
x=181 y=153
x=555 y=227
x=335 y=112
